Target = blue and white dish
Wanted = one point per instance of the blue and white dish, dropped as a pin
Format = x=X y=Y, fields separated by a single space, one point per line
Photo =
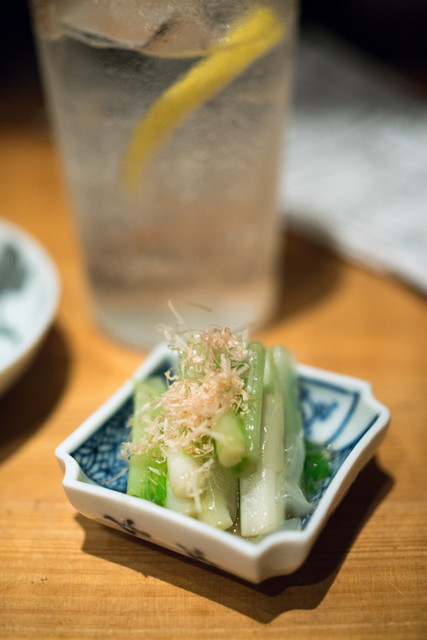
x=29 y=294
x=339 y=412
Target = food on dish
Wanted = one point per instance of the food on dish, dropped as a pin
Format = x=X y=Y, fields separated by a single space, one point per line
x=221 y=437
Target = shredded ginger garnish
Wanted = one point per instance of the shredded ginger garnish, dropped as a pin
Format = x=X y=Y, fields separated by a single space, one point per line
x=209 y=382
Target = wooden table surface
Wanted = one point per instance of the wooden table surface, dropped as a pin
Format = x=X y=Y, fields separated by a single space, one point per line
x=65 y=576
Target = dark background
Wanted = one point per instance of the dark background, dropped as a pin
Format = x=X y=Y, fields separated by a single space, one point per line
x=394 y=31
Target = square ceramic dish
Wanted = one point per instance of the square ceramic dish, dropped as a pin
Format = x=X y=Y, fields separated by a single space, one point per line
x=338 y=411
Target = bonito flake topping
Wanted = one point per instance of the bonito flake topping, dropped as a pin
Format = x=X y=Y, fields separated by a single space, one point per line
x=210 y=381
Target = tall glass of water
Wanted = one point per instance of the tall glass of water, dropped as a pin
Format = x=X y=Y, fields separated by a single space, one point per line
x=170 y=117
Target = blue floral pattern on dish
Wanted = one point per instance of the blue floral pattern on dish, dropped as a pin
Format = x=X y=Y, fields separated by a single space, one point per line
x=100 y=456
x=328 y=412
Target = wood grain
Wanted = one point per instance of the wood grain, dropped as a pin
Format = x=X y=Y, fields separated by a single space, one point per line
x=65 y=576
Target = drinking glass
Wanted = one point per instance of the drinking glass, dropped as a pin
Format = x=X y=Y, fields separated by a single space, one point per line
x=170 y=117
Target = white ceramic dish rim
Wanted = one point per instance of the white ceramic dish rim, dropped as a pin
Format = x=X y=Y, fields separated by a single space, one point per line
x=15 y=364
x=253 y=550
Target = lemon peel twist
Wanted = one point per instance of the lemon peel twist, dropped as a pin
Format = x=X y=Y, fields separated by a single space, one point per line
x=248 y=41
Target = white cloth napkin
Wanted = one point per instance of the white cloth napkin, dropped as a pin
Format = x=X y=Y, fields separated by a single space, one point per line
x=355 y=175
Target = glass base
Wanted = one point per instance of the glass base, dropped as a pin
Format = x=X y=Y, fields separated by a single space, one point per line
x=140 y=325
